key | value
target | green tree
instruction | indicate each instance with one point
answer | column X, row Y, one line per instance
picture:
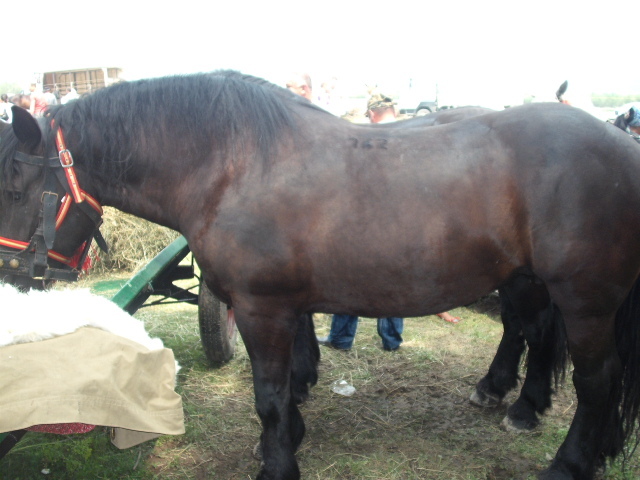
column 613, row 100
column 10, row 87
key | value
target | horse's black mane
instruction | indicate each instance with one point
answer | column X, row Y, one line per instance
column 8, row 145
column 219, row 110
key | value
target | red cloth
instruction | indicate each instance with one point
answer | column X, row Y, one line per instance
column 88, row 261
column 62, row 428
column 40, row 103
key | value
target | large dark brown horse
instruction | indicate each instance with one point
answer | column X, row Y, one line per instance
column 288, row 211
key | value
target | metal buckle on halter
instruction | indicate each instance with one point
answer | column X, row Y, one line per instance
column 62, row 154
column 47, row 193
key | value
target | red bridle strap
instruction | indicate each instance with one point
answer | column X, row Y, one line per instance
column 17, row 244
column 62, row 213
column 66, row 160
column 65, row 205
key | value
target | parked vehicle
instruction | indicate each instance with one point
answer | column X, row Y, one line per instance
column 83, row 80
column 424, row 108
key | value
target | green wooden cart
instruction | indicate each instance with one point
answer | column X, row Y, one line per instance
column 218, row 331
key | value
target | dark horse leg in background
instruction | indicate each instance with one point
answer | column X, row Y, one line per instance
column 527, row 315
column 306, row 356
column 503, row 372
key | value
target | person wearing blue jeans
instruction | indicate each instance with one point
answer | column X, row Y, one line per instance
column 343, row 331
column 380, row 109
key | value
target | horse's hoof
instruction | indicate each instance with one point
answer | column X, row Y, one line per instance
column 257, row 451
column 300, row 396
column 484, row 400
column 550, row 474
column 517, row 426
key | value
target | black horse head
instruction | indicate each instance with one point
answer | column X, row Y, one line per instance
column 37, row 208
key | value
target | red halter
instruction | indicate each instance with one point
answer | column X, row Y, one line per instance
column 76, row 195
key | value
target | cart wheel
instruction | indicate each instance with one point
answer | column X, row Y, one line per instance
column 218, row 332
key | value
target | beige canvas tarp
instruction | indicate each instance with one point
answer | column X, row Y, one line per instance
column 90, row 376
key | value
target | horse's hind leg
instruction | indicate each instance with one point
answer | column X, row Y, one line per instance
column 269, row 339
column 306, row 355
column 596, row 430
column 503, row 372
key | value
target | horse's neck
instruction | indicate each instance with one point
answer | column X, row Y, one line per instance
column 152, row 199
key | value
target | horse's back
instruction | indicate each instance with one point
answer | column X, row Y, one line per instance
column 477, row 199
column 540, row 187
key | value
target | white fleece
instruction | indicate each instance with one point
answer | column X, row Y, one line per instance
column 37, row 315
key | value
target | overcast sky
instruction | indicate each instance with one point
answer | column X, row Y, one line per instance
column 483, row 52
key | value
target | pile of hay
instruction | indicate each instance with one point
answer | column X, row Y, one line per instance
column 132, row 242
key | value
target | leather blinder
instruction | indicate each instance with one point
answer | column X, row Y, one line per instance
column 49, row 210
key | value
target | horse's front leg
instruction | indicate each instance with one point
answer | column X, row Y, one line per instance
column 269, row 339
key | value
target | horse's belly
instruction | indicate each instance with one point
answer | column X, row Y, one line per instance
column 398, row 289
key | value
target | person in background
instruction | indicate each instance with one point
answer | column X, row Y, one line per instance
column 380, row 109
column 629, row 121
column 37, row 101
column 49, row 96
column 330, row 97
column 71, row 95
column 300, row 84
column 633, row 123
column 6, row 114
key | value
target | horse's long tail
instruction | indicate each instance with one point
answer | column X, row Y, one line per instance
column 628, row 346
column 552, row 327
